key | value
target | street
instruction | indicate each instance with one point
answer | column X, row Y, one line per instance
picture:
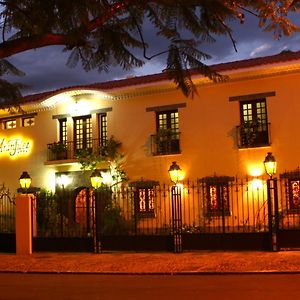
column 221, row 287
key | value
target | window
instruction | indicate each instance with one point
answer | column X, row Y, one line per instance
column 253, row 131
column 290, row 199
column 144, row 201
column 63, row 130
column 28, row 121
column 166, row 139
column 10, row 124
column 83, row 132
column 294, row 196
column 217, row 195
column 102, row 122
column 144, row 198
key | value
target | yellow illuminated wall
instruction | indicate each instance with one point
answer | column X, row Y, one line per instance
column 207, row 125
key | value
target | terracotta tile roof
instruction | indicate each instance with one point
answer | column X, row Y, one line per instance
column 282, row 57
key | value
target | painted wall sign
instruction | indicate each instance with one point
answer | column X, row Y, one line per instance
column 15, row 146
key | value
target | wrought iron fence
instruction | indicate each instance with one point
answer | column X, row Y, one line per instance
column 289, row 200
column 7, row 211
column 209, row 205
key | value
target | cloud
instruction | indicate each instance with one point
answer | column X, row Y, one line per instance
column 46, row 68
column 259, row 50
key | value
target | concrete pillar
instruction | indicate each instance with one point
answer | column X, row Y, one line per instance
column 24, row 224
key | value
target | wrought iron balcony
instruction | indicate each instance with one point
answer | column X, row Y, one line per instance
column 67, row 151
column 165, row 144
column 253, row 135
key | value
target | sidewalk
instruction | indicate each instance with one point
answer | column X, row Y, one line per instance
column 198, row 262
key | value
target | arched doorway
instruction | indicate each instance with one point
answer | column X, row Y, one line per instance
column 84, row 209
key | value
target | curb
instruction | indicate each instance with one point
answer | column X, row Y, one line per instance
column 184, row 273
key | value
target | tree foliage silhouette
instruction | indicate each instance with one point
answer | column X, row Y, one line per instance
column 101, row 33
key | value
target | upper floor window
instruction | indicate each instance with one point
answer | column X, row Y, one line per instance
column 28, row 121
column 102, row 123
column 83, row 133
column 166, row 140
column 10, row 124
column 63, row 137
column 253, row 131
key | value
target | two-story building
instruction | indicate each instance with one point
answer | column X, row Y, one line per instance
column 225, row 131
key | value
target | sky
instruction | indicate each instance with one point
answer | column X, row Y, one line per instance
column 46, row 68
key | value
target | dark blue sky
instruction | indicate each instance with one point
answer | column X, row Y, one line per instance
column 46, row 68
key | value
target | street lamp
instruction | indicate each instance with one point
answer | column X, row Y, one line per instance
column 25, row 181
column 96, row 182
column 273, row 218
column 63, row 180
column 176, row 174
column 96, row 179
column 270, row 164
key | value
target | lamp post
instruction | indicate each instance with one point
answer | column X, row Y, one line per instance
column 96, row 182
column 176, row 175
column 270, row 165
column 63, row 180
column 26, row 208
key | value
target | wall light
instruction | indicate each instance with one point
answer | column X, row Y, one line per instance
column 63, row 180
column 175, row 173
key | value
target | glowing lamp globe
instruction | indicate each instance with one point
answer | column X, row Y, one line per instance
column 96, row 179
column 25, row 180
column 175, row 172
column 270, row 164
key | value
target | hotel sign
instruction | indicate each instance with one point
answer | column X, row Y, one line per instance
column 14, row 147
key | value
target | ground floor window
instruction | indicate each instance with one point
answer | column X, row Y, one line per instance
column 217, row 195
column 144, row 198
column 294, row 195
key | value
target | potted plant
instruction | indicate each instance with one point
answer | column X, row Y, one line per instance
column 59, row 150
column 248, row 133
column 167, row 141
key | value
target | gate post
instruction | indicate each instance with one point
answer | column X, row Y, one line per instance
column 176, row 218
column 24, row 224
column 273, row 213
column 97, row 234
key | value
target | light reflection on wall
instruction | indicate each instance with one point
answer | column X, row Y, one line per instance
column 255, row 170
column 79, row 108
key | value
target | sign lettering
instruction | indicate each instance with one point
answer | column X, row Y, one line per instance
column 14, row 147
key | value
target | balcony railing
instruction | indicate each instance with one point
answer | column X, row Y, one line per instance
column 164, row 145
column 68, row 150
column 253, row 136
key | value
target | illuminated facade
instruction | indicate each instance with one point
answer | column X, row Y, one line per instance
column 225, row 130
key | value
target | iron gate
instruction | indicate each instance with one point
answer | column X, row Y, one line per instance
column 288, row 212
column 65, row 221
column 7, row 221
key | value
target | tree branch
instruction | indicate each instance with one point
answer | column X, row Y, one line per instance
column 12, row 47
column 22, row 44
column 228, row 32
column 108, row 15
